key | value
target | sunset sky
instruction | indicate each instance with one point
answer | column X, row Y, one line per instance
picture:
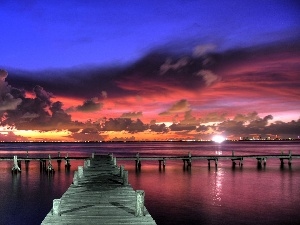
column 149, row 70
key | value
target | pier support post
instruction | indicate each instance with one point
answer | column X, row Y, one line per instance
column 281, row 162
column 111, row 155
column 259, row 161
column 140, row 202
column 67, row 164
column 241, row 162
column 80, row 171
column 50, row 167
column 16, row 167
column 233, row 163
column 75, row 178
column 115, row 161
column 162, row 161
column 121, row 171
column 58, row 160
column 290, row 158
column 125, row 177
column 290, row 161
column 27, row 161
column 43, row 165
column 216, row 162
column 20, row 164
column 87, row 163
column 56, row 208
column 58, row 163
column 189, row 160
column 93, row 155
column 138, row 163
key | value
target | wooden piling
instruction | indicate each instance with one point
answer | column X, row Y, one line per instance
column 75, row 178
column 138, row 164
column 80, row 172
column 20, row 164
column 16, row 165
column 56, row 208
column 241, row 162
column 121, row 171
column 125, row 177
column 139, row 206
column 27, row 161
column 87, row 163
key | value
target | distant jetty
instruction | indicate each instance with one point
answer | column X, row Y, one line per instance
column 46, row 162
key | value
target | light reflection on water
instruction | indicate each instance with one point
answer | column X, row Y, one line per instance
column 216, row 185
column 174, row 195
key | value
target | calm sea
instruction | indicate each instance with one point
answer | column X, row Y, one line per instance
column 174, row 195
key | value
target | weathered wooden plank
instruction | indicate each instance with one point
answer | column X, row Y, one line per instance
column 99, row 198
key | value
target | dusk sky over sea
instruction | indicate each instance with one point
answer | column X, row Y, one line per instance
column 149, row 70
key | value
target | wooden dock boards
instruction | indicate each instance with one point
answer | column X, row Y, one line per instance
column 99, row 198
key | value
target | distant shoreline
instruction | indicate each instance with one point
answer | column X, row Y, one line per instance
column 85, row 142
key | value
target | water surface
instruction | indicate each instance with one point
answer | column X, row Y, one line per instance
column 174, row 195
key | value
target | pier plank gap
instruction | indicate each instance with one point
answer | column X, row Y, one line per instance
column 100, row 194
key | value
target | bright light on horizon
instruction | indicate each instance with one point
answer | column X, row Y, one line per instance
column 218, row 138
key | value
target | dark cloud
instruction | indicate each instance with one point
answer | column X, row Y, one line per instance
column 182, row 127
column 3, row 74
column 202, row 128
column 159, row 128
column 189, row 119
column 244, row 118
column 154, row 72
column 124, row 124
column 38, row 113
column 8, row 101
column 43, row 95
column 165, row 72
column 288, row 129
column 69, row 82
column 137, row 126
column 132, row 115
column 213, row 117
column 252, row 125
column 88, row 106
column 178, row 107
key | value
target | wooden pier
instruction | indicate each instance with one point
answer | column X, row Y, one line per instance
column 162, row 160
column 100, row 194
column 187, row 160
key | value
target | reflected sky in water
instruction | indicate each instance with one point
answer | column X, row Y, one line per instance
column 175, row 194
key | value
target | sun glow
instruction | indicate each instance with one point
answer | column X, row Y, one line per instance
column 218, row 138
column 34, row 135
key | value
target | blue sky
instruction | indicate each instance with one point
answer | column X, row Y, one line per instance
column 62, row 34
